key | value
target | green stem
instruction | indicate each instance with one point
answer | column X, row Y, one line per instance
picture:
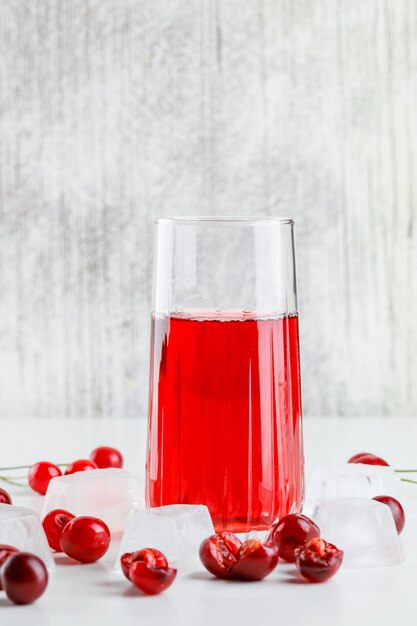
column 19, row 467
column 15, row 477
column 11, row 482
column 408, row 480
column 406, row 471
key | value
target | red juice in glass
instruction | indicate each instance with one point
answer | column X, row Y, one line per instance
column 225, row 417
column 224, row 424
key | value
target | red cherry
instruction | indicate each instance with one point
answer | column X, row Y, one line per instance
column 151, row 556
column 6, row 552
column 24, row 577
column 151, row 580
column 85, row 539
column 80, row 465
column 5, row 497
column 317, row 560
column 219, row 554
column 255, row 560
column 105, row 457
column 53, row 524
column 396, row 510
column 40, row 474
column 367, row 459
column 290, row 532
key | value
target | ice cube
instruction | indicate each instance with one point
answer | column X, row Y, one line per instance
column 176, row 530
column 363, row 528
column 351, row 480
column 21, row 528
column 110, row 494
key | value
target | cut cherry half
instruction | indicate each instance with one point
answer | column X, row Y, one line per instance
column 318, row 560
column 219, row 554
column 151, row 580
column 150, row 556
column 255, row 560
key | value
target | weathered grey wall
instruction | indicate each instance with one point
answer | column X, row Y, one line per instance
column 116, row 111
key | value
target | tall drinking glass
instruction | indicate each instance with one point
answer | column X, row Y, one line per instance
column 225, row 404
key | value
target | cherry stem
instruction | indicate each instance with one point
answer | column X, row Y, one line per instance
column 12, row 482
column 13, row 477
column 408, row 480
column 18, row 467
column 406, row 471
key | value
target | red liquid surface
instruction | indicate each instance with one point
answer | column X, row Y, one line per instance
column 225, row 418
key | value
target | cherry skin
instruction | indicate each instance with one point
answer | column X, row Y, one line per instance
column 24, row 577
column 53, row 525
column 5, row 553
column 367, row 459
column 80, row 465
column 396, row 510
column 85, row 539
column 104, row 457
column 40, row 474
column 151, row 580
column 5, row 497
column 151, row 556
column 317, row 560
column 255, row 560
column 219, row 554
column 290, row 532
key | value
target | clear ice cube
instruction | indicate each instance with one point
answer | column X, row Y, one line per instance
column 363, row 528
column 110, row 494
column 176, row 530
column 21, row 528
column 351, row 480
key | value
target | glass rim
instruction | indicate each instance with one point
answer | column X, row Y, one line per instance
column 224, row 219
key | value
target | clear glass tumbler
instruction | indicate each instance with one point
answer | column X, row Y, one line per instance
column 225, row 403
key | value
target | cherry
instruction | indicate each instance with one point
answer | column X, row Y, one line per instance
column 24, row 577
column 255, row 560
column 6, row 552
column 40, row 474
column 53, row 524
column 290, row 532
column 151, row 580
column 219, row 554
column 367, row 459
column 5, row 497
column 80, row 465
column 151, row 556
column 317, row 560
column 85, row 539
column 105, row 457
column 396, row 510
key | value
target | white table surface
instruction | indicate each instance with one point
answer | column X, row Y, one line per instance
column 94, row 594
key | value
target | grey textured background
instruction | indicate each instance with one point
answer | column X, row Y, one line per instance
column 116, row 111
